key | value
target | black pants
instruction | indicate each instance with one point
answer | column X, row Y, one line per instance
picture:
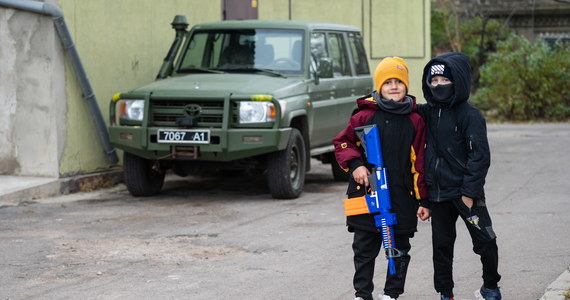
column 366, row 246
column 443, row 218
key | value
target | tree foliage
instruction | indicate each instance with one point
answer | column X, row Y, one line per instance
column 525, row 81
column 470, row 32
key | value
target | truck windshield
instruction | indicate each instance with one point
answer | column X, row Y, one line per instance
column 269, row 51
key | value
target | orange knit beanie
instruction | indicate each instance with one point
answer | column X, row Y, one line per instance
column 391, row 67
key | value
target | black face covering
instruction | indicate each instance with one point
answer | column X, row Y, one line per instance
column 442, row 93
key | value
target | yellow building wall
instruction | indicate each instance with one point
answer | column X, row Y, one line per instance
column 122, row 44
column 389, row 28
column 401, row 28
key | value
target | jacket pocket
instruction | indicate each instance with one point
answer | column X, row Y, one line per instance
column 354, row 189
column 456, row 159
column 450, row 174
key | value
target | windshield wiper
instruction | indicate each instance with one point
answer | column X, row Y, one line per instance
column 253, row 69
column 199, row 70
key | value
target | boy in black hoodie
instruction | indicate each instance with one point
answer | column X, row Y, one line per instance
column 457, row 158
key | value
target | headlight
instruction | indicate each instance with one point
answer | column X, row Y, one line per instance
column 256, row 112
column 131, row 110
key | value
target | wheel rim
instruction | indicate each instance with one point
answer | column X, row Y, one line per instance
column 294, row 165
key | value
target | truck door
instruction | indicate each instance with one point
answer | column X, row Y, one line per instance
column 333, row 99
column 322, row 95
column 345, row 91
column 362, row 81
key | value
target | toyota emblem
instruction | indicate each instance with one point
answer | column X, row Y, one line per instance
column 192, row 110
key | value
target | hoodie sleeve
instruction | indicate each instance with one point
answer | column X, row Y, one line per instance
column 421, row 109
column 417, row 157
column 346, row 143
column 478, row 156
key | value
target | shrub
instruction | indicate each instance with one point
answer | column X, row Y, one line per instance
column 526, row 81
column 465, row 29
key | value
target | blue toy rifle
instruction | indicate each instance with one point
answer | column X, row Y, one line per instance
column 378, row 201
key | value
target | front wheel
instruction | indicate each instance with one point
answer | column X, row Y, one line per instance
column 286, row 168
column 140, row 176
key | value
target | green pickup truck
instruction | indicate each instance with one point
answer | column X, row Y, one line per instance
column 261, row 96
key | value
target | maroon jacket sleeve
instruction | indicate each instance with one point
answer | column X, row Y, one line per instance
column 346, row 142
column 417, row 157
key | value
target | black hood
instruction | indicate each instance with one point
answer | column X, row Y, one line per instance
column 458, row 64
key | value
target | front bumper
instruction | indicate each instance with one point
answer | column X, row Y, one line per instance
column 225, row 145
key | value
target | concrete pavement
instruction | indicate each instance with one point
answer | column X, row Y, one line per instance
column 15, row 190
column 557, row 289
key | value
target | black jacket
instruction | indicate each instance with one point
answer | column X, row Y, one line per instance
column 457, row 154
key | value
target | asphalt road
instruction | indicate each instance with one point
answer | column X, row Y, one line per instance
column 225, row 238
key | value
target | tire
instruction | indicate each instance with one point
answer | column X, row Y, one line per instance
column 286, row 169
column 140, row 177
column 338, row 173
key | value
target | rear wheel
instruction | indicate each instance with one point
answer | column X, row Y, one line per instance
column 141, row 178
column 286, row 169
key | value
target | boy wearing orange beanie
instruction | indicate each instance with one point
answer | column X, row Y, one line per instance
column 402, row 135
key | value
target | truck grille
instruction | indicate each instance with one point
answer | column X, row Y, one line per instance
column 165, row 112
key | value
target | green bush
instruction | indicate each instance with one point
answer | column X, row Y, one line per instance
column 526, row 81
column 454, row 29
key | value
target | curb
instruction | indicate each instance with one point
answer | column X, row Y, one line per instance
column 557, row 289
column 62, row 186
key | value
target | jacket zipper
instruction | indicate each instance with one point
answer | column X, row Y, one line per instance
column 437, row 181
column 437, row 159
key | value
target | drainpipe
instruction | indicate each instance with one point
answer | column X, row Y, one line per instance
column 55, row 12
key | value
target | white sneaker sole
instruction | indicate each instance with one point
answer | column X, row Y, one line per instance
column 478, row 295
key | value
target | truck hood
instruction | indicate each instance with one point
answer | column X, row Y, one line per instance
column 222, row 84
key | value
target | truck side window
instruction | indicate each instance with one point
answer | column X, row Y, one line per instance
column 358, row 54
column 340, row 63
column 318, row 45
column 194, row 57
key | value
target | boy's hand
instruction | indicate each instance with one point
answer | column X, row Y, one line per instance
column 360, row 175
column 467, row 201
column 423, row 213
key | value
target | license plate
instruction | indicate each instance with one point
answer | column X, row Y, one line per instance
column 183, row 136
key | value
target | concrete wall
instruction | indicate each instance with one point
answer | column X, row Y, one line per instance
column 32, row 95
column 46, row 128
